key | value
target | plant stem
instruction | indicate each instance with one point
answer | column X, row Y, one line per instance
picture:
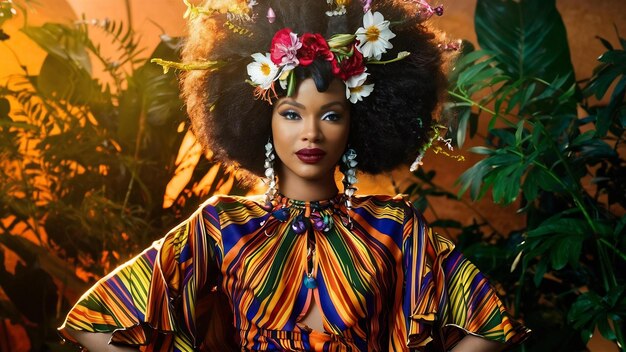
column 481, row 107
column 604, row 266
column 613, row 248
column 608, row 277
column 129, row 15
column 471, row 102
column 135, row 171
column 575, row 194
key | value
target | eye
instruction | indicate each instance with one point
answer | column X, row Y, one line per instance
column 290, row 115
column 331, row 116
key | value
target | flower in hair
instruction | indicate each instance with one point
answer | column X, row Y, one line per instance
column 426, row 11
column 348, row 55
column 374, row 35
column 314, row 46
column 340, row 8
column 356, row 89
column 284, row 49
column 263, row 72
column 352, row 65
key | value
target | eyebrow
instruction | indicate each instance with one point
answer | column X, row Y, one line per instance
column 292, row 103
column 325, row 106
column 298, row 105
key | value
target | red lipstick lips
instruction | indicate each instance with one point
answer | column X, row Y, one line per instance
column 310, row 156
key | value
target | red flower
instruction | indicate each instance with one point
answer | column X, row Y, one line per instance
column 349, row 66
column 313, row 46
column 280, row 44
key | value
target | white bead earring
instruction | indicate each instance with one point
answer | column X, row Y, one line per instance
column 270, row 176
column 348, row 168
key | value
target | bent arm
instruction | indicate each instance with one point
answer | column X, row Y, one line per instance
column 472, row 343
column 98, row 342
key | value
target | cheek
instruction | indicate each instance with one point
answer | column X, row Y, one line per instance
column 340, row 140
column 281, row 135
column 344, row 133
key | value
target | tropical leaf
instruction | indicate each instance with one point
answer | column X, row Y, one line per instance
column 591, row 311
column 612, row 69
column 126, row 40
column 570, row 231
column 527, row 37
column 62, row 42
column 79, row 88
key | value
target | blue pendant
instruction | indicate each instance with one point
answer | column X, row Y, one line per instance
column 309, row 282
column 281, row 214
column 300, row 225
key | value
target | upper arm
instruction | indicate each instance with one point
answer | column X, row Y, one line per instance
column 445, row 291
column 471, row 343
column 95, row 341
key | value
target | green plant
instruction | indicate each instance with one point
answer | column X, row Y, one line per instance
column 86, row 158
column 566, row 172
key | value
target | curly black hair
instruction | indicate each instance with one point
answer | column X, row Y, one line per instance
column 388, row 127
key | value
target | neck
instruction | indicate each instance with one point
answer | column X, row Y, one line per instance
column 307, row 190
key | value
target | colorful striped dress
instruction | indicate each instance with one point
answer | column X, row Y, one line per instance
column 381, row 278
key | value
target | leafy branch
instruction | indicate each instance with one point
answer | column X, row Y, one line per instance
column 538, row 152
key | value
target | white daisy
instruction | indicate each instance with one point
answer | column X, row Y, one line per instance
column 374, row 35
column 356, row 90
column 262, row 71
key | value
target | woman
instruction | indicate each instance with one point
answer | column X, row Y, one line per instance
column 290, row 90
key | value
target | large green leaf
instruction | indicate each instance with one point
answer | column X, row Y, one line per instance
column 63, row 81
column 160, row 91
column 527, row 36
column 62, row 42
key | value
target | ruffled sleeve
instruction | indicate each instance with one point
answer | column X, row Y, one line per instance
column 151, row 299
column 445, row 296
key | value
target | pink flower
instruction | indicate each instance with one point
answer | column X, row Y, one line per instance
column 284, row 49
column 313, row 46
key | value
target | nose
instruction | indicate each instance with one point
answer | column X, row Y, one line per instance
column 311, row 130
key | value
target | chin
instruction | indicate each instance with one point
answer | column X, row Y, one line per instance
column 314, row 173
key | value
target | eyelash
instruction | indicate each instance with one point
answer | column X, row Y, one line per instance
column 292, row 115
column 335, row 117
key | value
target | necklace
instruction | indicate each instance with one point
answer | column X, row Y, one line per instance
column 307, row 217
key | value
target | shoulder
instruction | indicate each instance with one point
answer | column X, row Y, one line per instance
column 234, row 207
column 382, row 210
column 416, row 228
column 226, row 202
column 380, row 199
column 397, row 205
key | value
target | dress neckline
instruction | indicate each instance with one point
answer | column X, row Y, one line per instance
column 282, row 201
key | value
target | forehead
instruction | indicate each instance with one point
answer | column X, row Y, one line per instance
column 308, row 96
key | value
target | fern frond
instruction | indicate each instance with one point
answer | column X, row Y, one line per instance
column 191, row 66
column 238, row 29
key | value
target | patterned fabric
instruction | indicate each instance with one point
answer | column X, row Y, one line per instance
column 388, row 283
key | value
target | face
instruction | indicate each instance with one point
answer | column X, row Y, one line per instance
column 310, row 131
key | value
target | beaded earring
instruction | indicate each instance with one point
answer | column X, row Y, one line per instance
column 348, row 169
column 270, row 176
